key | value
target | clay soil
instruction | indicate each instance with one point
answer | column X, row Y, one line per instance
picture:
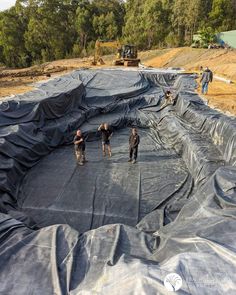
column 222, row 96
column 18, row 81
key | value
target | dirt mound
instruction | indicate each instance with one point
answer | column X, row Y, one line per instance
column 163, row 59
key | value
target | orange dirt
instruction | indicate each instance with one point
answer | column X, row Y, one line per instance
column 221, row 96
column 221, row 61
column 164, row 59
column 18, row 81
column 11, row 86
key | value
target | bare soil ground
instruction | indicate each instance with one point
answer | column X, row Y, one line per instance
column 222, row 62
column 221, row 96
column 18, row 81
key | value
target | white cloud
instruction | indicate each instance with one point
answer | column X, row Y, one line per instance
column 5, row 4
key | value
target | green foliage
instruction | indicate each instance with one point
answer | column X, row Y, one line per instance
column 77, row 50
column 207, row 36
column 83, row 23
column 222, row 15
column 172, row 40
column 51, row 33
column 13, row 51
column 134, row 31
column 153, row 20
column 105, row 26
column 35, row 31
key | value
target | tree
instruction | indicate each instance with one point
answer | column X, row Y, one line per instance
column 98, row 19
column 222, row 15
column 107, row 6
column 83, row 23
column 207, row 36
column 133, row 31
column 146, row 22
column 154, row 22
column 105, row 26
column 179, row 19
column 51, row 32
column 12, row 29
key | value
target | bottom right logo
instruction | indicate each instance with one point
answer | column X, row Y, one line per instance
column 173, row 282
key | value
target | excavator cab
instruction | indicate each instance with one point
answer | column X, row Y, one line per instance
column 129, row 51
column 127, row 55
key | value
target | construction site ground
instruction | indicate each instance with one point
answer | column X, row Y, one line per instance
column 222, row 62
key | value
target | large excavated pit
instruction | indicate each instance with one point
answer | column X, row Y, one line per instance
column 111, row 227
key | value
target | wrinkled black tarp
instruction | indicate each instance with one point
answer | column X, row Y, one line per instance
column 111, row 227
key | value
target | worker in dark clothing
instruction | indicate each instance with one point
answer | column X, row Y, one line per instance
column 169, row 97
column 134, row 141
column 106, row 137
column 207, row 77
column 79, row 143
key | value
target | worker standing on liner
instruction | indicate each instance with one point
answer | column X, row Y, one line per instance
column 134, row 141
column 106, row 137
column 79, row 143
column 207, row 77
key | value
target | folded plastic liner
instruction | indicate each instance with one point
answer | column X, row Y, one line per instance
column 112, row 227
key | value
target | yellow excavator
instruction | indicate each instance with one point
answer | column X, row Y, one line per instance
column 127, row 55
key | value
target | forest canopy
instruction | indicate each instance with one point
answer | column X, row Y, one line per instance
column 35, row 31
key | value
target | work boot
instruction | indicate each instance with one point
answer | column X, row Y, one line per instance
column 130, row 160
column 134, row 161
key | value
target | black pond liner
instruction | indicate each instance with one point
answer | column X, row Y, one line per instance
column 111, row 227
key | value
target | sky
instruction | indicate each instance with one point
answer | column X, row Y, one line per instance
column 5, row 4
